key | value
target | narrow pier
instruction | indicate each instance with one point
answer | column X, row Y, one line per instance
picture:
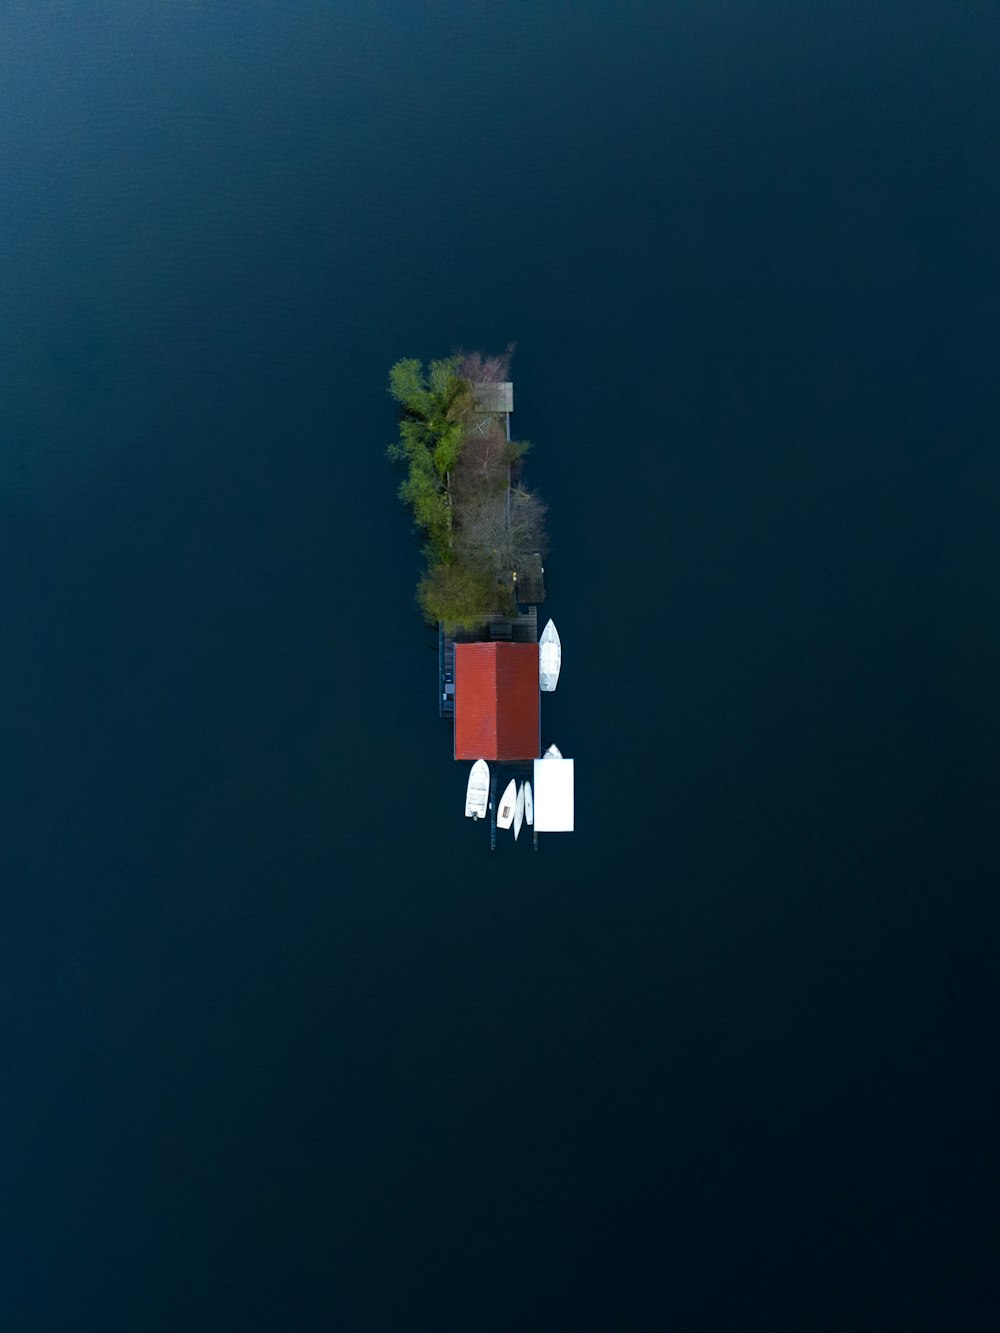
column 493, row 808
column 522, row 628
column 446, row 674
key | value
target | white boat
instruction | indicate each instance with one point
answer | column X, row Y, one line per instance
column 477, row 794
column 553, row 752
column 549, row 658
column 518, row 812
column 529, row 805
column 505, row 810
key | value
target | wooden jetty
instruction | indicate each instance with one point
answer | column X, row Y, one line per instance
column 446, row 674
column 530, row 580
column 495, row 397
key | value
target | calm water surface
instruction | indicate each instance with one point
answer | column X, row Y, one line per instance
column 283, row 1046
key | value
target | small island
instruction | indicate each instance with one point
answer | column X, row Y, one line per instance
column 484, row 530
column 484, row 539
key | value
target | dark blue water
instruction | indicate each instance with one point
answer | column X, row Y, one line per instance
column 283, row 1047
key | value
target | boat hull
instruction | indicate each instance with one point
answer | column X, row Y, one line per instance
column 505, row 807
column 477, row 793
column 549, row 658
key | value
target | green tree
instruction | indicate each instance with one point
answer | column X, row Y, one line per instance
column 409, row 388
column 431, row 510
column 431, row 431
column 459, row 595
column 435, row 406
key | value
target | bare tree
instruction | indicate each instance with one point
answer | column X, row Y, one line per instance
column 478, row 369
column 499, row 537
column 527, row 521
column 482, row 464
column 484, row 535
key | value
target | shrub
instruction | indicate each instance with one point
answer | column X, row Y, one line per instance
column 458, row 595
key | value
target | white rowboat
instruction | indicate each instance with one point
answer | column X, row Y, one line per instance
column 518, row 812
column 553, row 752
column 477, row 794
column 529, row 805
column 549, row 658
column 505, row 812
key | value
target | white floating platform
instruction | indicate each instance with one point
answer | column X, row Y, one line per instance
column 549, row 658
column 554, row 797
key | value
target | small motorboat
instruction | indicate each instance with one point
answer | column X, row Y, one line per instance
column 505, row 810
column 518, row 812
column 529, row 805
column 477, row 794
column 549, row 658
column 553, row 752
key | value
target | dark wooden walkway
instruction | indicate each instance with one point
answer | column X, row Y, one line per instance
column 530, row 581
column 522, row 628
column 446, row 674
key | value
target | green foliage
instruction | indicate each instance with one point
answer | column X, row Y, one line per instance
column 458, row 595
column 434, row 413
column 440, row 398
column 448, row 446
column 430, row 506
column 412, row 444
column 408, row 387
column 453, row 397
column 443, row 376
column 457, row 485
column 431, row 434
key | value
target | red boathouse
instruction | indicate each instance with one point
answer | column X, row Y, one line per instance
column 496, row 701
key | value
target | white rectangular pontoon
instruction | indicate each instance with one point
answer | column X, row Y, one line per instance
column 553, row 795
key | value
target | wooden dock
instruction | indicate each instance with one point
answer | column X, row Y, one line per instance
column 530, row 581
column 522, row 628
column 521, row 772
column 446, row 674
column 495, row 397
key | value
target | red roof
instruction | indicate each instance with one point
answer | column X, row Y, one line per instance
column 496, row 701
